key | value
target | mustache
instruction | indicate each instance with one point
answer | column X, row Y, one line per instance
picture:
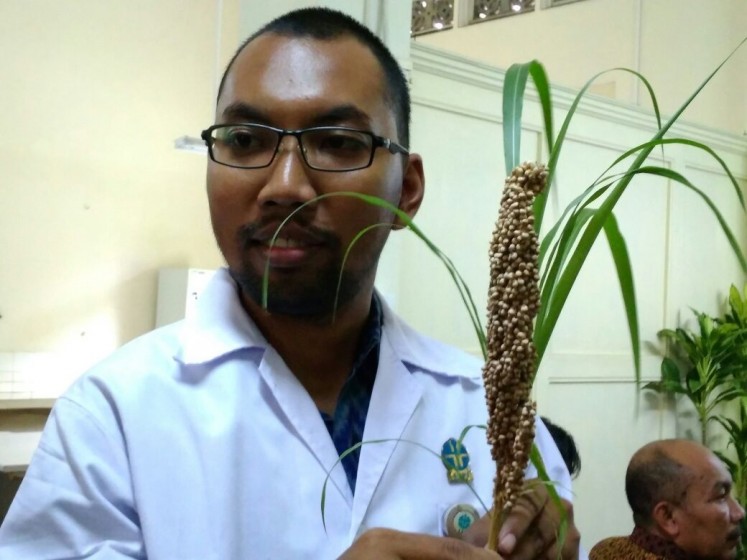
column 300, row 227
column 736, row 534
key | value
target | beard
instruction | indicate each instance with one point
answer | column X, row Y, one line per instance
column 313, row 295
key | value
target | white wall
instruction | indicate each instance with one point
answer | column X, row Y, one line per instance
column 674, row 43
column 389, row 19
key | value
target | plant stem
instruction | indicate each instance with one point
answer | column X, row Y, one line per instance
column 496, row 522
column 702, row 416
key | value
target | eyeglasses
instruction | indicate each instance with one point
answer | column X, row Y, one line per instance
column 325, row 148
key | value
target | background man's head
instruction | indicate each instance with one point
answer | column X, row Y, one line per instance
column 566, row 445
column 326, row 24
column 681, row 491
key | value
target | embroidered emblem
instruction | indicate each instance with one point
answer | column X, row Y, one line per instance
column 456, row 460
column 458, row 519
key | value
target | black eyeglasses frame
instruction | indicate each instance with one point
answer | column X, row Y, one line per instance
column 376, row 142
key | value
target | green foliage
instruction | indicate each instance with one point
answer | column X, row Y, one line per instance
column 736, row 429
column 702, row 366
column 567, row 244
column 708, row 367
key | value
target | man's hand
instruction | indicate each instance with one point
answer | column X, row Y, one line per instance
column 531, row 530
column 387, row 544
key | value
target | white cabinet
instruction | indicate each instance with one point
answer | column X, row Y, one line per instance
column 178, row 292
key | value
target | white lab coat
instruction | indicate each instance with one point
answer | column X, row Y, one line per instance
column 195, row 442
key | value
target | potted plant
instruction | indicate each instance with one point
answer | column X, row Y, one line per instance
column 708, row 367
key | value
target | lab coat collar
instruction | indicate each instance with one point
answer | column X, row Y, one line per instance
column 418, row 351
column 222, row 326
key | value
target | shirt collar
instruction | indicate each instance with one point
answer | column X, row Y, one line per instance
column 657, row 545
column 371, row 336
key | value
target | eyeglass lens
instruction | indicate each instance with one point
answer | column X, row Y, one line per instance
column 331, row 149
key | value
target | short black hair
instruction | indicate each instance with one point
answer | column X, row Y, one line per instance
column 326, row 24
column 566, row 445
column 653, row 479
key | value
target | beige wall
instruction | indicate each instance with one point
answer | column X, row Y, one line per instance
column 673, row 43
column 94, row 196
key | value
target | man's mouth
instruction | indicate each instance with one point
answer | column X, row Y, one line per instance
column 284, row 243
column 289, row 246
column 735, row 536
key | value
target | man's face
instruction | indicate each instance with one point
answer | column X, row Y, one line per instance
column 709, row 517
column 296, row 83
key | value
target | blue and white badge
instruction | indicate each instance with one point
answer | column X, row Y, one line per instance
column 456, row 460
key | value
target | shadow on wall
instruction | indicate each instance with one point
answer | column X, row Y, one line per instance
column 9, row 484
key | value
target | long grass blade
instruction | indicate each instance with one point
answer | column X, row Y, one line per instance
column 562, row 248
column 573, row 207
column 675, row 176
column 360, row 444
column 539, row 464
column 542, row 85
column 621, row 258
column 349, row 248
column 687, row 142
column 571, row 271
column 555, row 152
column 514, row 85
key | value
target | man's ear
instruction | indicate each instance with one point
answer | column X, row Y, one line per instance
column 413, row 187
column 665, row 519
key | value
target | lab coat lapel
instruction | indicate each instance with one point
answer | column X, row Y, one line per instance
column 304, row 416
column 395, row 397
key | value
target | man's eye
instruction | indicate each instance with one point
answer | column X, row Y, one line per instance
column 343, row 142
column 242, row 139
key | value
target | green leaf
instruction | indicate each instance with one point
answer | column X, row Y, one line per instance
column 671, row 174
column 737, row 304
column 595, row 225
column 561, row 250
column 670, row 372
column 555, row 152
column 350, row 246
column 514, row 85
column 568, row 225
column 625, row 277
column 536, row 459
column 654, row 386
column 687, row 142
column 466, row 430
column 694, row 385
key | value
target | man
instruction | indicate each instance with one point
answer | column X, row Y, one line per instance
column 218, row 437
column 680, row 494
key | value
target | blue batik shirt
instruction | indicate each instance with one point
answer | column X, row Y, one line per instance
column 346, row 426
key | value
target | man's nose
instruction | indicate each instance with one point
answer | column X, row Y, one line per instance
column 288, row 182
column 737, row 511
